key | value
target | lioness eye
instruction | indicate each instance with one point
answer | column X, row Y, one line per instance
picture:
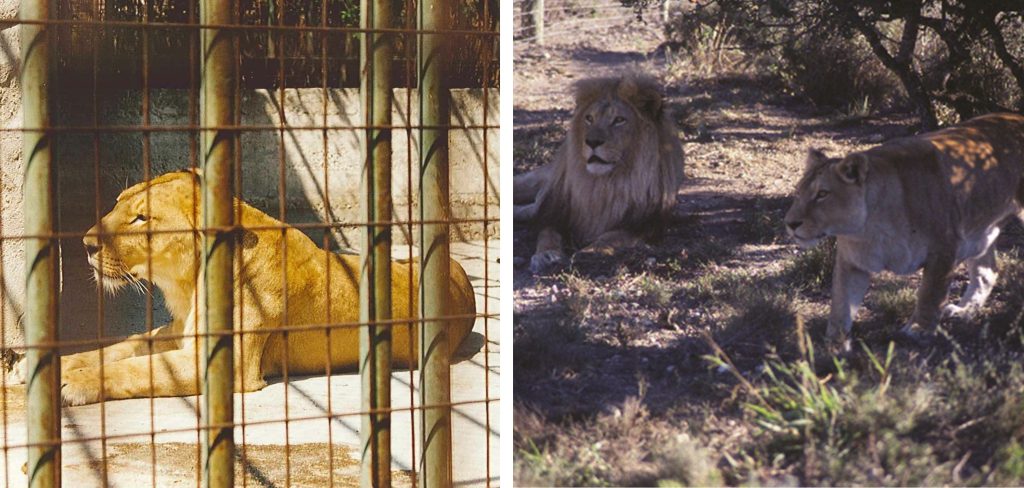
column 619, row 120
column 589, row 118
column 821, row 194
column 139, row 218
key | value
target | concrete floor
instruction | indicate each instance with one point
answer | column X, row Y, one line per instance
column 279, row 453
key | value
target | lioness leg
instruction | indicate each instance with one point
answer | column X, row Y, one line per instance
column 549, row 251
column 849, row 284
column 938, row 271
column 174, row 373
column 983, row 277
column 134, row 345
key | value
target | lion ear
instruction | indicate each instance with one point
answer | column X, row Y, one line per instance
column 853, row 169
column 644, row 96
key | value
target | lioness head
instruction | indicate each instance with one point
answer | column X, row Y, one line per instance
column 138, row 241
column 611, row 115
column 829, row 199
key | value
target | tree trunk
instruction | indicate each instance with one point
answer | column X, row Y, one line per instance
column 988, row 21
column 901, row 65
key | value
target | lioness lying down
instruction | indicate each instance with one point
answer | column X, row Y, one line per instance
column 618, row 170
column 174, row 264
column 931, row 201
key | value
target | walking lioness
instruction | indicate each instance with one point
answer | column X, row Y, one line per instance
column 930, row 201
column 281, row 279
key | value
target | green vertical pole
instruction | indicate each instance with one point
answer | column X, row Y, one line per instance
column 435, row 375
column 43, row 363
column 217, row 92
column 375, row 278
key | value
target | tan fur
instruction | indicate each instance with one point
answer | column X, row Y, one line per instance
column 930, row 201
column 602, row 204
column 173, row 265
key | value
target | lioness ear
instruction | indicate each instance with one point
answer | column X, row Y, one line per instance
column 815, row 159
column 853, row 168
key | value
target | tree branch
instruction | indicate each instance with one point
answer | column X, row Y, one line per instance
column 901, row 65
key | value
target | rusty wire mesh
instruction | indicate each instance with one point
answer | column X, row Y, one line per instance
column 126, row 109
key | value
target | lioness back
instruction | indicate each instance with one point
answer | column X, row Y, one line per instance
column 316, row 276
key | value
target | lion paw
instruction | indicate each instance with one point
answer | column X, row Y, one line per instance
column 546, row 261
column 80, row 386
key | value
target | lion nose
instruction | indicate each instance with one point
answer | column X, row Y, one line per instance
column 593, row 143
column 793, row 224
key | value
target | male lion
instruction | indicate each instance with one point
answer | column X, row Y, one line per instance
column 929, row 201
column 619, row 168
column 117, row 251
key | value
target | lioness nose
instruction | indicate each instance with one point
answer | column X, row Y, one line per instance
column 92, row 244
column 593, row 143
column 793, row 224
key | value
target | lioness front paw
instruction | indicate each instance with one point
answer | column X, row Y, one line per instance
column 837, row 341
column 16, row 376
column 546, row 261
column 916, row 334
column 957, row 312
column 80, row 386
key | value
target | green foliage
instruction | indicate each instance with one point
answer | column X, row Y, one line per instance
column 953, row 58
column 892, row 422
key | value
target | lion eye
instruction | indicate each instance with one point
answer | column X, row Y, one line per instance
column 588, row 119
column 821, row 195
column 619, row 120
column 139, row 218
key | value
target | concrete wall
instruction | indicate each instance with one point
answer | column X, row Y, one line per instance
column 306, row 160
column 12, row 252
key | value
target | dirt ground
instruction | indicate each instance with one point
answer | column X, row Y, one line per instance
column 622, row 339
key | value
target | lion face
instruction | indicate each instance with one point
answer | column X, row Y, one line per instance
column 829, row 199
column 609, row 127
column 136, row 242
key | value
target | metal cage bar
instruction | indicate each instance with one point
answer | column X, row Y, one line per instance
column 435, row 372
column 219, row 82
column 40, row 320
column 375, row 278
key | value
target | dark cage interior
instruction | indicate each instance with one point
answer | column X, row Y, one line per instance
column 302, row 46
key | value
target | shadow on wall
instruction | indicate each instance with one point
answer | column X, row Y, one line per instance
column 322, row 169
